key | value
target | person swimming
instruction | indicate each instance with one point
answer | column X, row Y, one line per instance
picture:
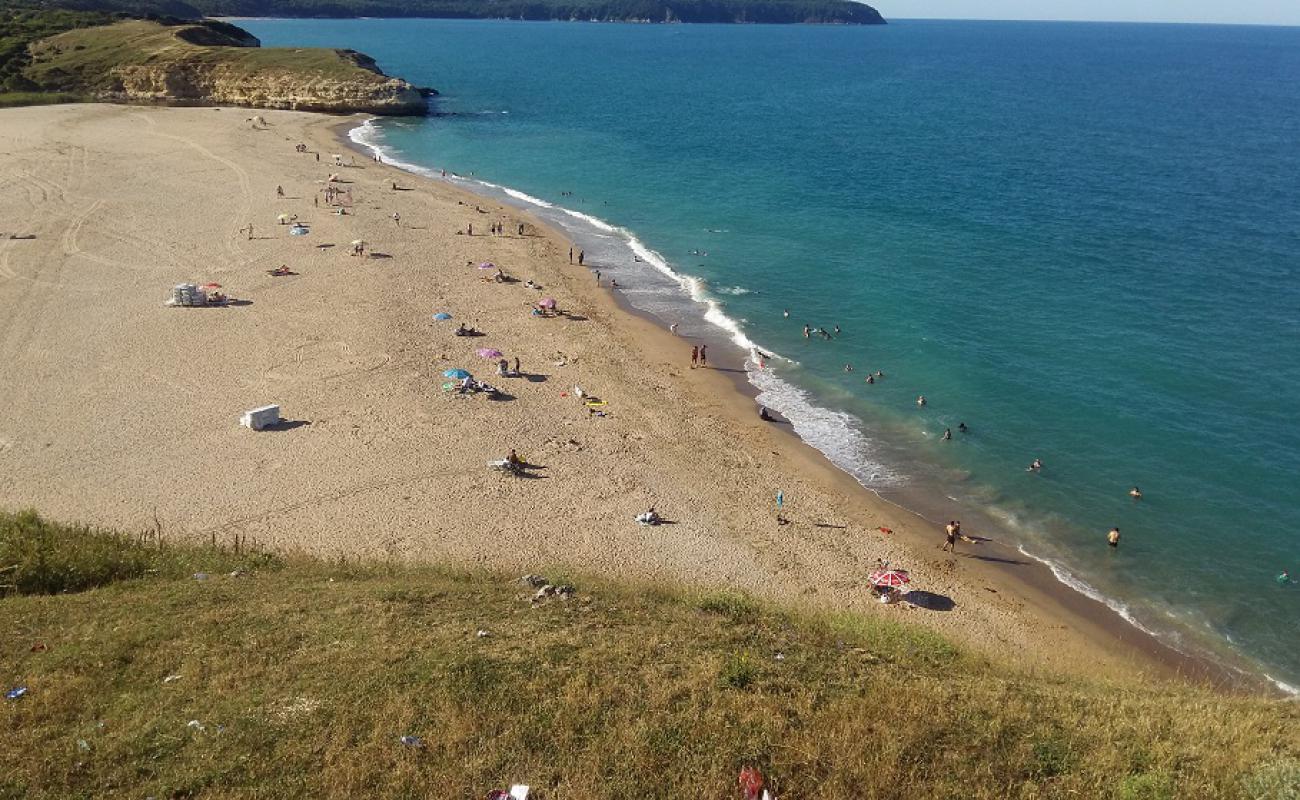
column 848, row 367
column 961, row 426
column 1135, row 493
column 871, row 379
column 947, row 434
column 1112, row 538
column 920, row 400
column 1036, row 465
column 807, row 332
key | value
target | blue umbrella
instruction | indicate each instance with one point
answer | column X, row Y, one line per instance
column 297, row 230
column 442, row 315
column 458, row 374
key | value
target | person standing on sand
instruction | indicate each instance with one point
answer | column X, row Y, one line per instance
column 582, row 256
column 250, row 231
column 673, row 329
column 397, row 219
column 1112, row 538
column 471, row 229
column 950, row 534
column 517, row 371
column 597, row 272
column 704, row 356
column 780, row 507
column 695, row 356
column 570, row 254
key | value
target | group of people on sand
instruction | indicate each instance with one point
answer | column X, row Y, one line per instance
column 699, row 356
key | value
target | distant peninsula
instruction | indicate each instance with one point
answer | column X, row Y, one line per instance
column 843, row 12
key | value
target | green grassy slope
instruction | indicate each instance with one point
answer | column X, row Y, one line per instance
column 296, row 678
column 83, row 59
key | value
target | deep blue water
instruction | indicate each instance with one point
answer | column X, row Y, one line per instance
column 1082, row 240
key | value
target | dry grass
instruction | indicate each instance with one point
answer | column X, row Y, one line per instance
column 303, row 678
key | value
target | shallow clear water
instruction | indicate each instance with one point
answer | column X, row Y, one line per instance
column 1082, row 240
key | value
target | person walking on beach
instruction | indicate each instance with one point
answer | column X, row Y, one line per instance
column 695, row 356
column 950, row 534
column 570, row 254
column 597, row 273
column 704, row 356
column 1112, row 538
column 279, row 191
column 582, row 256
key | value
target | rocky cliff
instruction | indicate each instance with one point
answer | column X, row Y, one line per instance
column 219, row 84
column 214, row 64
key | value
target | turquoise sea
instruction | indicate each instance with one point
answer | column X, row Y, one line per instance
column 1082, row 240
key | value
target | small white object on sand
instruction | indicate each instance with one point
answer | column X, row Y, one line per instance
column 259, row 418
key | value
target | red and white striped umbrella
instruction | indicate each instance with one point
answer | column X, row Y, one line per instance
column 891, row 578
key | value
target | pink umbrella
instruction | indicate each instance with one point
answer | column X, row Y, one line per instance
column 889, row 578
column 547, row 302
column 487, row 265
column 489, row 352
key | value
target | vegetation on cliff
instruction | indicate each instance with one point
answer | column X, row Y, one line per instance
column 162, row 670
column 208, row 62
column 741, row 11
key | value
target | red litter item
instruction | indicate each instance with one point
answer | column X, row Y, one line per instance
column 751, row 783
column 885, row 530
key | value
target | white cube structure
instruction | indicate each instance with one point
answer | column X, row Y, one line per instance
column 260, row 418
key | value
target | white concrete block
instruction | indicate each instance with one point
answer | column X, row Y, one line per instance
column 260, row 418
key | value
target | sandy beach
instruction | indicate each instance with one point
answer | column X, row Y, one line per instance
column 123, row 412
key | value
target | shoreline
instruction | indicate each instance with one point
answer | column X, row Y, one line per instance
column 1034, row 581
column 125, row 412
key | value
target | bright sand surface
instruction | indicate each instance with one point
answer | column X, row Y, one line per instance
column 124, row 412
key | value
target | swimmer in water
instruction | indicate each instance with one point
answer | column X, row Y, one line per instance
column 1284, row 579
column 947, row 434
column 848, row 367
column 1112, row 538
column 837, row 330
column 807, row 332
column 1135, row 493
column 880, row 374
column 786, row 313
column 961, row 426
column 871, row 379
column 920, row 401
column 1036, row 465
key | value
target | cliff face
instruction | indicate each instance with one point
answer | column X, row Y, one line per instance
column 205, row 84
column 213, row 63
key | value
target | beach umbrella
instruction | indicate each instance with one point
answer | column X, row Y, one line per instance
column 487, row 265
column 547, row 302
column 442, row 316
column 283, row 217
column 489, row 352
column 210, row 286
column 889, row 578
column 358, row 242
column 458, row 374
column 297, row 230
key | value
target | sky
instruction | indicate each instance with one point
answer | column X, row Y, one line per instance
column 1258, row 12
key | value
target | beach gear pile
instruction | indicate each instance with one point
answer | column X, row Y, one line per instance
column 188, row 294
